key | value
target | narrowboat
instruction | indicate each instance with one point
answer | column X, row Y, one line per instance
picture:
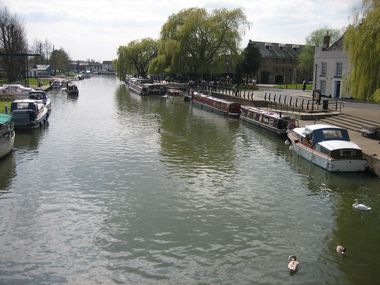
column 146, row 87
column 228, row 108
column 274, row 122
column 329, row 147
column 28, row 113
column 7, row 134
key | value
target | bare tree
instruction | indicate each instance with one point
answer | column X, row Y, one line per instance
column 48, row 49
column 12, row 42
column 38, row 48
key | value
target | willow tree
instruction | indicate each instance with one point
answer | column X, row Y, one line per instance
column 136, row 57
column 362, row 41
column 193, row 40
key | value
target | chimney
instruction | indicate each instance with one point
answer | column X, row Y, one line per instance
column 326, row 42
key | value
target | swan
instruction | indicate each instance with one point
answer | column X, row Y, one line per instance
column 293, row 263
column 341, row 250
column 361, row 207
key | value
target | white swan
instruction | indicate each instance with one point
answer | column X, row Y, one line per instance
column 361, row 207
column 341, row 250
column 293, row 263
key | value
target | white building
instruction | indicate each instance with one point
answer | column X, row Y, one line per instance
column 331, row 65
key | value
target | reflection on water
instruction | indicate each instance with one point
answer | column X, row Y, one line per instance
column 128, row 189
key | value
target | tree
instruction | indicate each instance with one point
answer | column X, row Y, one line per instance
column 251, row 60
column 38, row 48
column 48, row 49
column 12, row 41
column 306, row 56
column 192, row 41
column 59, row 60
column 362, row 41
column 136, row 57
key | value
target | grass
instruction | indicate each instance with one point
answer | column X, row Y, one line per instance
column 3, row 104
column 294, row 86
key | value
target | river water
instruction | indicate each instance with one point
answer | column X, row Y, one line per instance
column 123, row 189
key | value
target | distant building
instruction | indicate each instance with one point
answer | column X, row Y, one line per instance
column 107, row 66
column 330, row 66
column 80, row 66
column 279, row 63
column 40, row 70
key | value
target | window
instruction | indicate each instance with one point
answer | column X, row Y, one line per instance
column 339, row 68
column 324, row 69
column 323, row 87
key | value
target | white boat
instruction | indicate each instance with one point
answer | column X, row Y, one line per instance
column 29, row 113
column 17, row 91
column 329, row 147
column 42, row 96
column 7, row 134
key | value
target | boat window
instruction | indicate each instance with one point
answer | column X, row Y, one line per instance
column 347, row 153
column 332, row 134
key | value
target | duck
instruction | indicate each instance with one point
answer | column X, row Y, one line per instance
column 293, row 264
column 361, row 207
column 341, row 249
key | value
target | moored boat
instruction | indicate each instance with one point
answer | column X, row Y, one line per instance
column 214, row 104
column 15, row 91
column 329, row 147
column 42, row 96
column 275, row 122
column 72, row 89
column 146, row 87
column 29, row 113
column 7, row 134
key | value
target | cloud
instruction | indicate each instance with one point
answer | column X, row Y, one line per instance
column 95, row 29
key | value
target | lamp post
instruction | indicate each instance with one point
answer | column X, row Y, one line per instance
column 314, row 87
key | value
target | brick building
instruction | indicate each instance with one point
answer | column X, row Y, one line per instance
column 279, row 63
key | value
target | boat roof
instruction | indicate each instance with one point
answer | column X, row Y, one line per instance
column 338, row 144
column 214, row 98
column 321, row 126
column 4, row 118
column 273, row 114
column 25, row 101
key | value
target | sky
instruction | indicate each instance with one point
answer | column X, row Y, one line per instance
column 94, row 29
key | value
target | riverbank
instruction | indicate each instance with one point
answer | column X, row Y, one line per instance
column 366, row 112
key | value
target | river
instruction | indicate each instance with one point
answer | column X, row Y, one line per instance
column 123, row 189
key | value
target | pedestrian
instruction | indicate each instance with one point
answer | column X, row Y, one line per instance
column 304, row 85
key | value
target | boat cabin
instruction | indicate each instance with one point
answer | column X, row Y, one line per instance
column 330, row 140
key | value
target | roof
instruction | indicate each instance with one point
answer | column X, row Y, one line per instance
column 42, row 67
column 338, row 144
column 338, row 44
column 321, row 126
column 5, row 119
column 278, row 50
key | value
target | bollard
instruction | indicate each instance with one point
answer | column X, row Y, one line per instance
column 285, row 100
column 296, row 101
column 307, row 106
column 265, row 96
column 279, row 99
column 290, row 101
column 274, row 97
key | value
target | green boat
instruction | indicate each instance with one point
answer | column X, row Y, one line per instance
column 7, row 134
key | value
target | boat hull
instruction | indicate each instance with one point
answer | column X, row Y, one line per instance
column 213, row 109
column 6, row 144
column 325, row 161
column 22, row 119
column 275, row 131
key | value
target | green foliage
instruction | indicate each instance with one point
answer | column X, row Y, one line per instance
column 250, row 60
column 306, row 56
column 59, row 60
column 194, row 41
column 362, row 42
column 136, row 57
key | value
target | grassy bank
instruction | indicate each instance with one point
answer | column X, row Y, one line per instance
column 294, row 86
column 3, row 104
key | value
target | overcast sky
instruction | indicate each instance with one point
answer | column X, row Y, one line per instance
column 94, row 29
